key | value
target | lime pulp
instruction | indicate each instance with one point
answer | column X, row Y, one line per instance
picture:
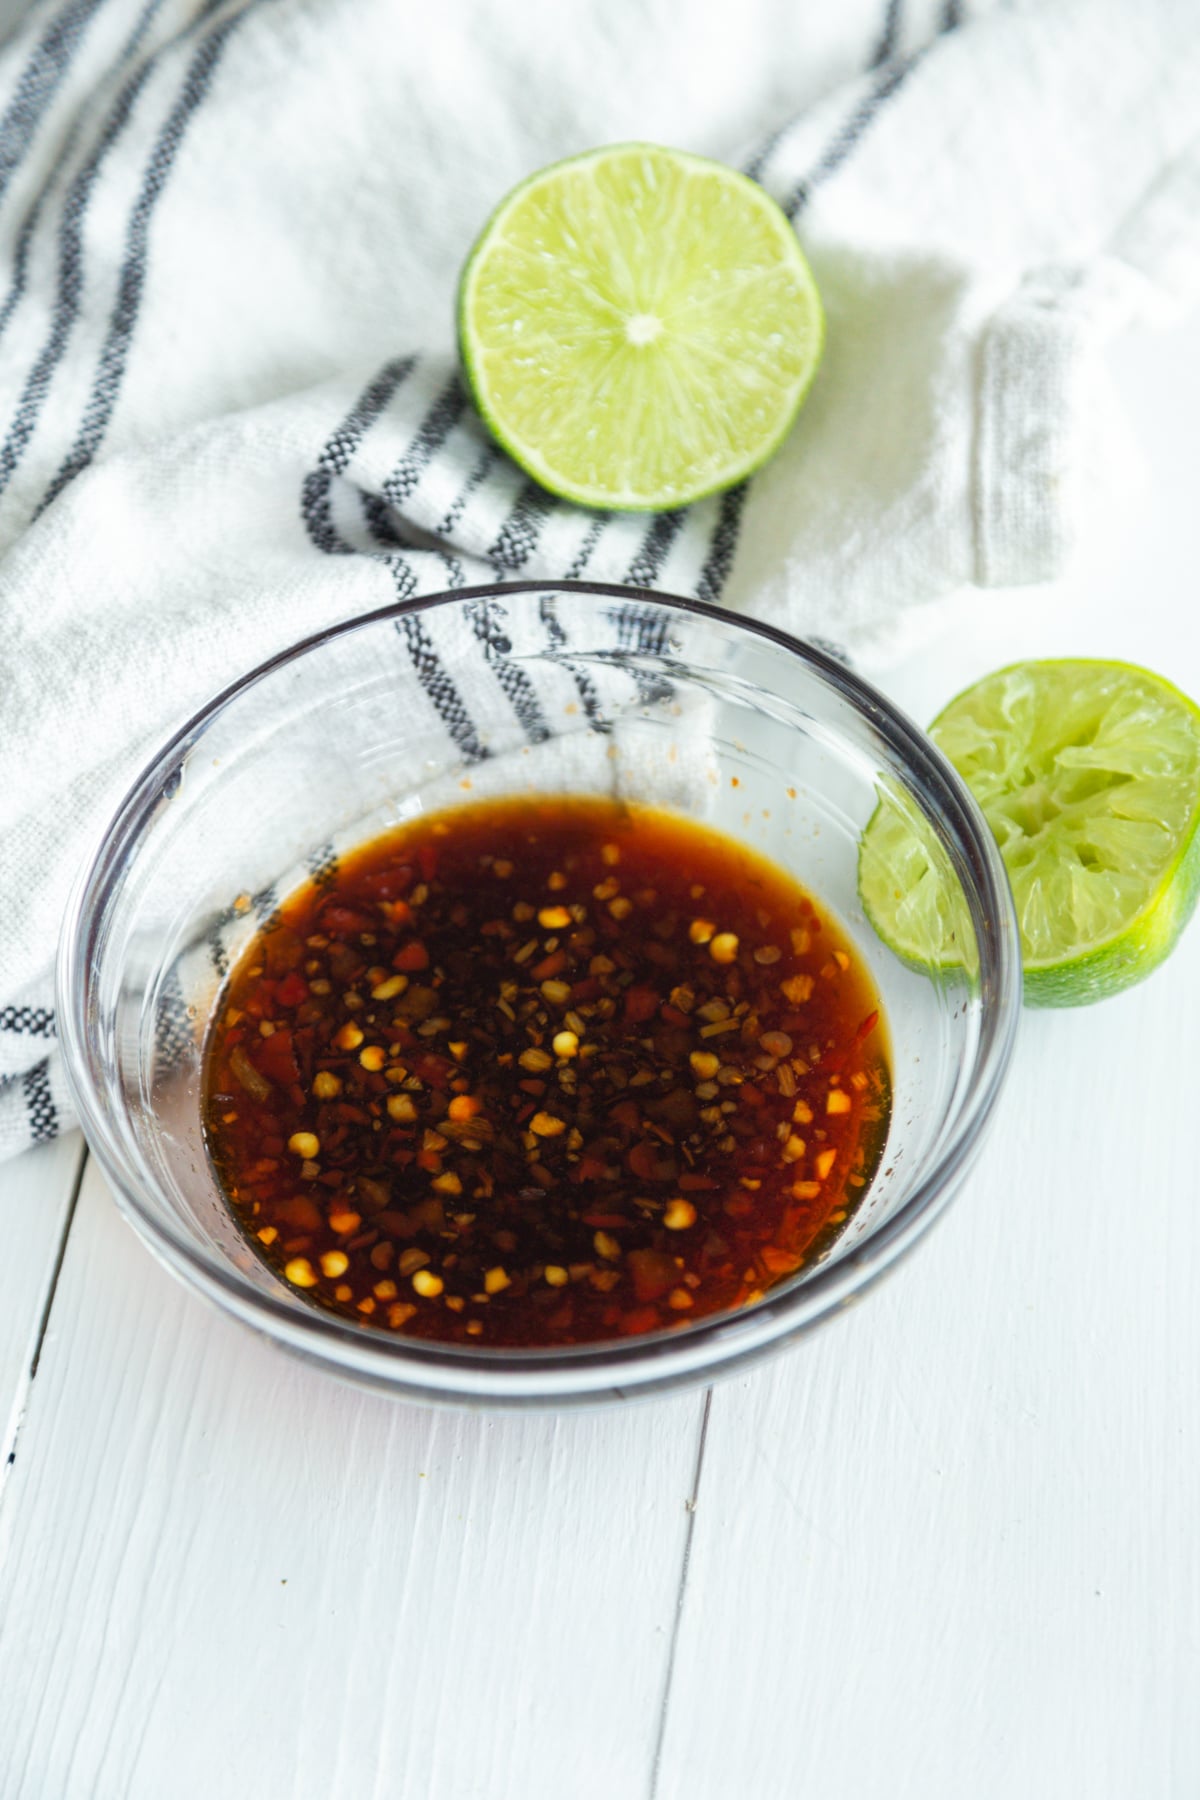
column 1088, row 774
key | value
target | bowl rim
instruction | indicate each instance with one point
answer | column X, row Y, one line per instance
column 421, row 1368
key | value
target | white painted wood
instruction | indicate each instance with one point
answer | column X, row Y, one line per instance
column 950, row 1548
column 228, row 1576
column 35, row 1196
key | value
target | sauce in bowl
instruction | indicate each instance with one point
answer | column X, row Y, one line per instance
column 539, row 1072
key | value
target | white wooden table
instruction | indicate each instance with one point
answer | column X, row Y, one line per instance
column 948, row 1548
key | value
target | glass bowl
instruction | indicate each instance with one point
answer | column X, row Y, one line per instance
column 554, row 688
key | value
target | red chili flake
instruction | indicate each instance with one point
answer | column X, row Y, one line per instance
column 641, row 1003
column 388, row 884
column 653, row 1273
column 274, row 1059
column 292, row 990
column 641, row 1318
column 344, row 921
column 413, row 956
column 549, row 965
column 648, row 1163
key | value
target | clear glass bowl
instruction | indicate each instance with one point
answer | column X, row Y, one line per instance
column 513, row 688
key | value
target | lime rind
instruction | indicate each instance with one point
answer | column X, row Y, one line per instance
column 583, row 255
column 1089, row 775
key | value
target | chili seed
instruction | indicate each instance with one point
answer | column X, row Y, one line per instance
column 545, row 1125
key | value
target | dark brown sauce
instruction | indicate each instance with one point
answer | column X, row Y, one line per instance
column 537, row 1072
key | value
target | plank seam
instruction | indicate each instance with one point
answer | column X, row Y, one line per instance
column 684, row 1571
column 21, row 1405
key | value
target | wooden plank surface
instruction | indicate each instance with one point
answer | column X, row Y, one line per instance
column 36, row 1192
column 226, row 1575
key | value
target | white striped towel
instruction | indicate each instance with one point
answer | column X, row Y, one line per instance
column 229, row 412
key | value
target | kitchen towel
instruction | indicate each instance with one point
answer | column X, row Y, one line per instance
column 229, row 408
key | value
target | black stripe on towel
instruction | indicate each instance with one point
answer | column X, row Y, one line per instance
column 488, row 458
column 266, row 905
column 485, row 617
column 583, row 555
column 646, row 566
column 217, row 953
column 43, row 1114
column 28, row 1021
column 33, row 216
column 589, row 698
column 38, row 83
column 889, row 37
column 110, row 371
column 69, row 287
column 322, row 866
column 443, row 694
column 174, row 1028
column 723, row 547
column 638, row 629
column 316, row 508
column 517, row 538
column 317, row 512
column 381, row 524
column 892, row 73
column 377, row 517
column 889, row 81
column 435, row 428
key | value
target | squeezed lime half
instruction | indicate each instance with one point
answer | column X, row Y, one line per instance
column 638, row 327
column 1089, row 775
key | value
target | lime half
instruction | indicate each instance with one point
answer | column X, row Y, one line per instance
column 1089, row 775
column 638, row 327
